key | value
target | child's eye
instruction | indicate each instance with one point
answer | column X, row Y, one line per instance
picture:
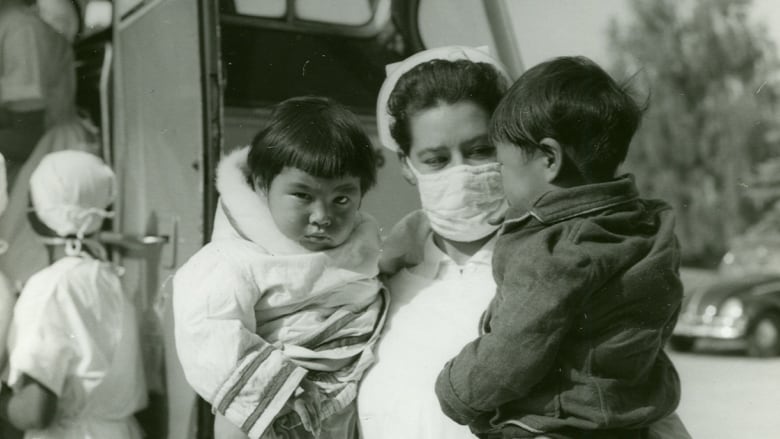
column 301, row 196
column 341, row 200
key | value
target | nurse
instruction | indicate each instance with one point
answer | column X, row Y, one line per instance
column 37, row 117
column 434, row 110
column 37, row 81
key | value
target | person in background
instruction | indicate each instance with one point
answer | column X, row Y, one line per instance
column 75, row 368
column 276, row 318
column 7, row 300
column 434, row 110
column 37, row 81
column 62, row 15
column 38, row 115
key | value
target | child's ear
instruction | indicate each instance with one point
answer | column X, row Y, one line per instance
column 553, row 158
column 405, row 171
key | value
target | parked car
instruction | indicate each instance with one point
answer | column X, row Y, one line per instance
column 740, row 303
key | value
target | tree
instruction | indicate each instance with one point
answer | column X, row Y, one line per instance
column 711, row 78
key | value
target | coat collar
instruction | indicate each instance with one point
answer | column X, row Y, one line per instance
column 566, row 203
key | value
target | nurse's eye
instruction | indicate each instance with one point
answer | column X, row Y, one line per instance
column 483, row 151
column 435, row 161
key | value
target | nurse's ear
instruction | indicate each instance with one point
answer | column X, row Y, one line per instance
column 405, row 170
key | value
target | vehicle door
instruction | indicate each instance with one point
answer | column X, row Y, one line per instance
column 160, row 136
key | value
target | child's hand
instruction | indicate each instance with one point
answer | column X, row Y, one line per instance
column 307, row 405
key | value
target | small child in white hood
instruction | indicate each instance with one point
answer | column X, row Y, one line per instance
column 75, row 358
column 276, row 318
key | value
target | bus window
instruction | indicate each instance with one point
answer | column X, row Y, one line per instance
column 448, row 22
column 266, row 8
column 264, row 66
column 349, row 12
column 357, row 18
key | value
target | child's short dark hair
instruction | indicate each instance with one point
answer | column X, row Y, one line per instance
column 439, row 82
column 316, row 135
column 575, row 102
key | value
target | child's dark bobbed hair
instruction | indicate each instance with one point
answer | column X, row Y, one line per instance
column 575, row 102
column 316, row 135
column 438, row 82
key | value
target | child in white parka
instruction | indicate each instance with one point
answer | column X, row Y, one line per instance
column 276, row 318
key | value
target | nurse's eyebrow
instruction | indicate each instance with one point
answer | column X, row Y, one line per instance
column 475, row 139
column 431, row 149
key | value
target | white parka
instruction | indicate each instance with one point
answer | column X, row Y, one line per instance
column 255, row 312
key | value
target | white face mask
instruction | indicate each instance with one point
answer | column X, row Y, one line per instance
column 460, row 200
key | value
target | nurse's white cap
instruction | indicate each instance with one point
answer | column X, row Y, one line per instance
column 396, row 70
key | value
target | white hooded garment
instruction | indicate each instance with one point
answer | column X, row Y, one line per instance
column 75, row 332
column 73, row 329
column 255, row 312
column 25, row 254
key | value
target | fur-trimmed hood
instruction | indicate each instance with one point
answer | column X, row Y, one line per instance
column 242, row 212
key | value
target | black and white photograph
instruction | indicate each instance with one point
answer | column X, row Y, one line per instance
column 389, row 219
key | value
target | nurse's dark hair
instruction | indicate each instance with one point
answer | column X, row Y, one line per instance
column 574, row 101
column 316, row 135
column 439, row 82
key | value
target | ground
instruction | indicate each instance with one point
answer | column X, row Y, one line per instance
column 727, row 395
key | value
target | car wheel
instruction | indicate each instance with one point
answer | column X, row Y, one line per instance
column 764, row 337
column 681, row 343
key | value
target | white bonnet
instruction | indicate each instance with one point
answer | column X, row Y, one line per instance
column 71, row 190
column 396, row 70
